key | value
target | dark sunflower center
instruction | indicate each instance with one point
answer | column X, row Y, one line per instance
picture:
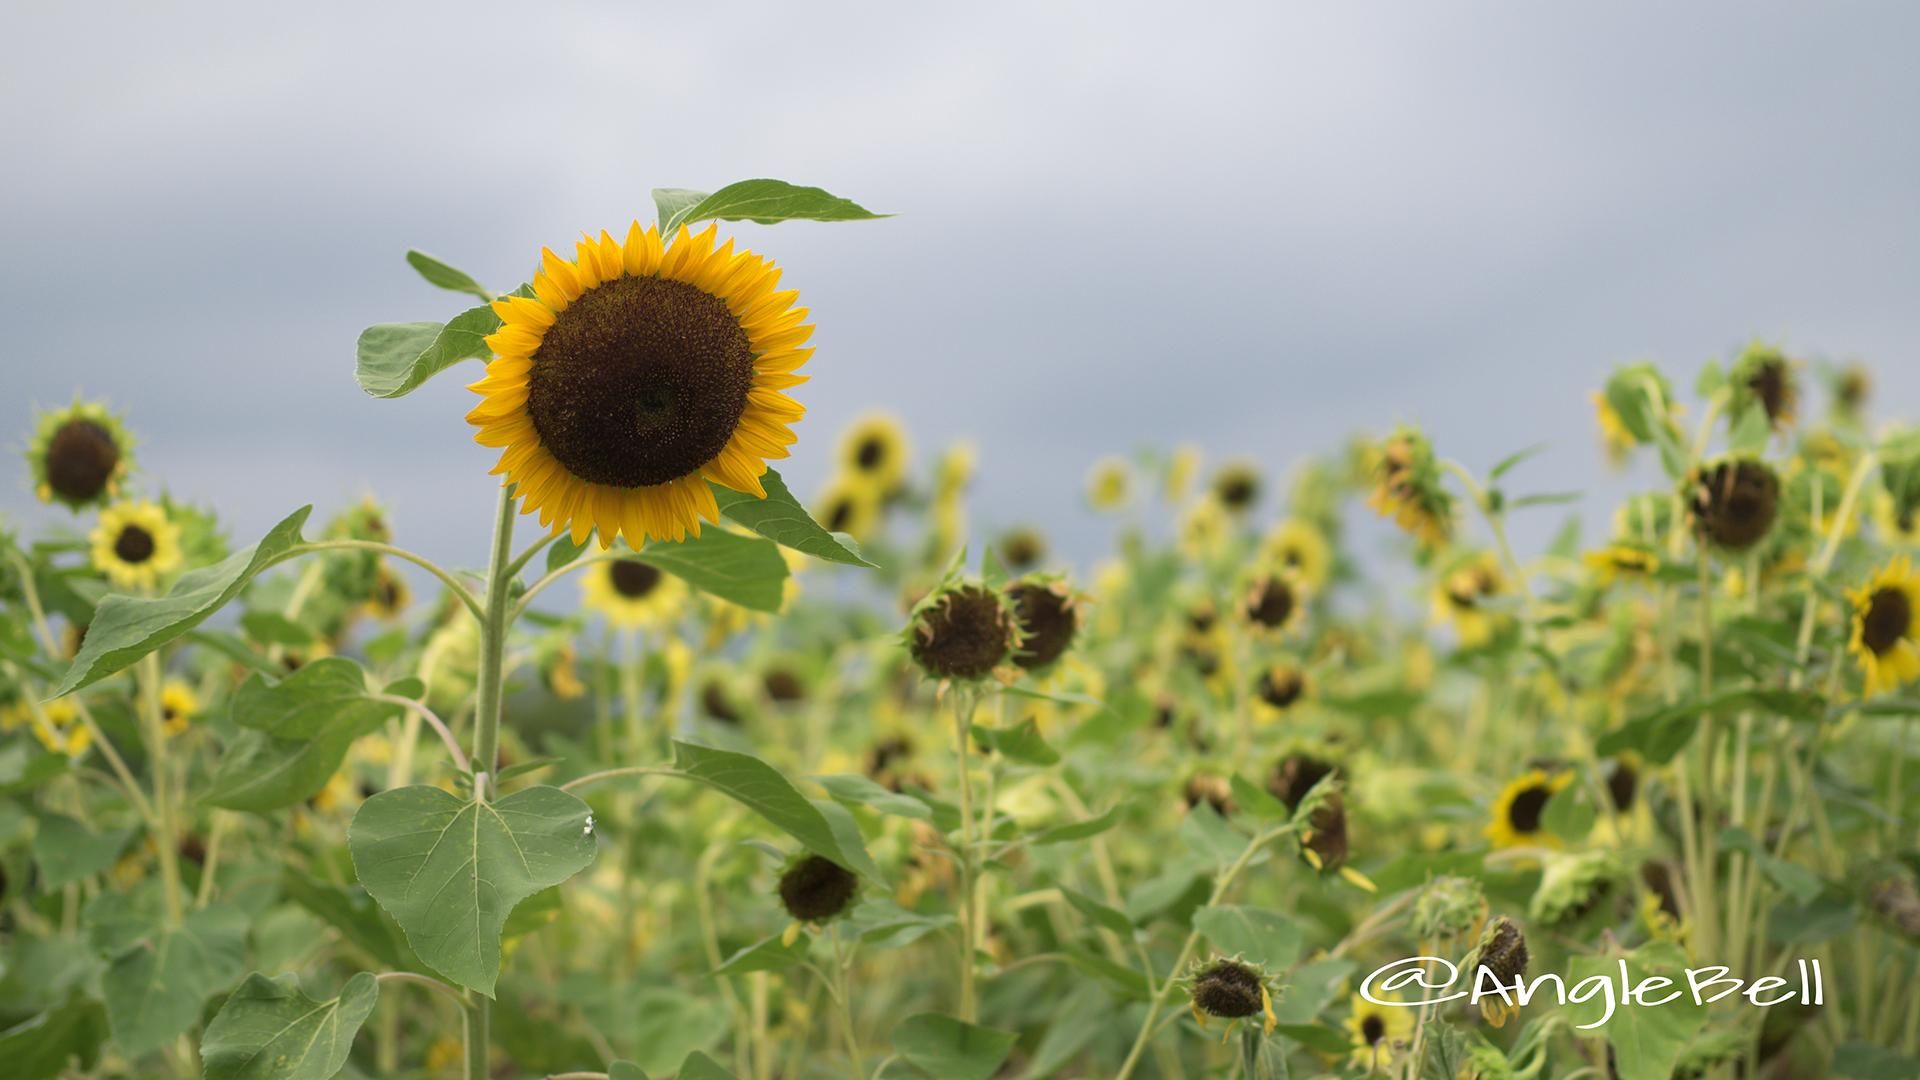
column 840, row 515
column 633, row 580
column 816, row 888
column 1888, row 618
column 1735, row 503
column 1048, row 621
column 1272, row 604
column 1281, row 688
column 1524, row 813
column 640, row 381
column 81, row 458
column 871, row 453
column 1373, row 1029
column 1622, row 786
column 1227, row 990
column 134, row 545
column 784, row 685
column 1237, row 492
column 963, row 636
column 1769, row 384
column 1294, row 776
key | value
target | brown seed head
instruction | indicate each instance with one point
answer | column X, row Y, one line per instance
column 1734, row 503
column 1047, row 620
column 964, row 634
column 816, row 889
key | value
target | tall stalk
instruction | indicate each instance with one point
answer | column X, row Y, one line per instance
column 486, row 730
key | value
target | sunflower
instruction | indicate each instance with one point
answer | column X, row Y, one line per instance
column 1900, row 529
column 1516, row 812
column 79, row 455
column 1237, row 486
column 135, row 543
column 1764, row 377
column 632, row 593
column 1885, row 636
column 873, row 451
column 61, row 734
column 1109, row 484
column 1459, row 597
column 1621, row 561
column 1407, row 485
column 1378, row 1030
column 638, row 373
column 178, row 704
column 849, row 506
column 1301, row 549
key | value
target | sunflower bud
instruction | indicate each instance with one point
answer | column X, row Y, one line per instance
column 1281, row 685
column 1215, row 790
column 961, row 632
column 1449, row 907
column 814, row 889
column 1734, row 502
column 1763, row 377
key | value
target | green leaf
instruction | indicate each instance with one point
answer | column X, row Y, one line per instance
column 299, row 731
column 1711, row 379
column 768, row 955
column 156, row 986
column 1086, row 1012
column 532, row 913
column 25, row 765
column 125, row 628
column 674, row 1028
column 1750, row 435
column 1318, row 1037
column 1511, row 460
column 885, row 924
column 1261, row 936
column 1569, row 814
column 1310, row 988
column 858, row 789
column 68, row 851
column 771, row 201
column 1256, row 800
column 521, row 769
column 951, row 1049
column 744, row 569
column 1828, row 916
column 1081, row 830
column 824, row 828
column 1111, row 918
column 234, row 649
column 348, row 910
column 627, row 1070
column 1208, row 835
column 992, row 573
column 1860, row 1060
column 1021, row 742
column 449, row 870
column 563, row 551
column 1525, row 501
column 1123, row 979
column 673, row 204
column 394, row 359
column 697, row 1066
column 39, row 1047
column 309, row 702
column 1410, row 870
column 780, row 518
column 273, row 628
column 446, row 277
column 1646, row 1039
column 1062, row 698
column 270, row 1030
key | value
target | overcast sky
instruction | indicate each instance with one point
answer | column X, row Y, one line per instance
column 1259, row 227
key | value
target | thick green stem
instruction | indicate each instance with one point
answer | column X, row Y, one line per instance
column 493, row 647
column 964, row 701
column 840, row 961
column 478, row 1036
column 1706, row 903
column 166, row 831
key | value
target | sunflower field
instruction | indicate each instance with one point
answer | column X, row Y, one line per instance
column 687, row 779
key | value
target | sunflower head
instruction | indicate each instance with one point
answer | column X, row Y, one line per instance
column 1571, row 885
column 1047, row 612
column 1022, row 549
column 1273, row 602
column 1763, row 377
column 135, row 544
column 390, row 595
column 1279, row 687
column 1734, row 502
column 1503, row 952
column 1517, row 810
column 1323, row 845
column 873, row 452
column 1237, row 486
column 815, row 889
column 1299, row 549
column 631, row 593
column 636, row 373
column 1462, row 599
column 1229, row 988
column 1211, row 788
column 1850, row 387
column 1624, row 561
column 962, row 631
column 79, row 455
column 1406, row 484
column 1450, row 907
column 848, row 506
column 1295, row 774
column 1109, row 484
column 1886, row 626
column 1379, row 1031
column 178, row 704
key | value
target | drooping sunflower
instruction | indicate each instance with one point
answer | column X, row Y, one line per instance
column 79, row 455
column 135, row 543
column 1886, row 634
column 873, row 451
column 1461, row 596
column 631, row 593
column 1378, row 1030
column 1516, row 811
column 637, row 373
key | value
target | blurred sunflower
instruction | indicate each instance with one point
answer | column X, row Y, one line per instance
column 61, row 734
column 1300, row 548
column 178, row 704
column 1885, row 637
column 1108, row 484
column 134, row 544
column 1900, row 529
column 1237, row 486
column 79, row 455
column 1620, row 561
column 631, row 593
column 1516, row 811
column 873, row 451
column 848, row 506
column 1407, row 485
column 639, row 373
column 1461, row 594
column 1764, row 377
column 1378, row 1030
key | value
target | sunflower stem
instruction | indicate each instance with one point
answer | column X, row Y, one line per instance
column 493, row 647
column 460, row 591
column 964, row 701
column 165, row 830
column 1705, row 902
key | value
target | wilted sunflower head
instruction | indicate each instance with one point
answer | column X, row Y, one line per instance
column 1211, row 788
column 1406, row 480
column 1230, row 989
column 1272, row 601
column 1295, row 774
column 631, row 593
column 1022, row 549
column 1323, row 845
column 815, row 889
column 782, row 684
column 1886, row 626
column 1734, row 502
column 135, row 544
column 1517, row 810
column 635, row 374
column 1237, row 486
column 1047, row 613
column 79, row 455
column 1449, row 906
column 1571, row 885
column 1763, row 377
column 873, row 451
column 1503, row 952
column 1851, row 386
column 1279, row 687
column 962, row 631
column 1462, row 595
column 389, row 596
column 364, row 520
